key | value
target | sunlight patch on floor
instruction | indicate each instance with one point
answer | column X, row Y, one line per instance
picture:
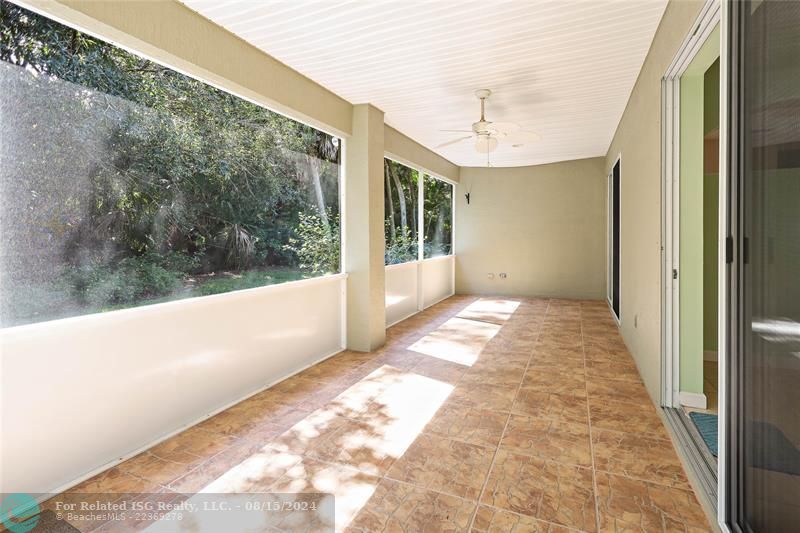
column 362, row 432
column 495, row 310
column 458, row 340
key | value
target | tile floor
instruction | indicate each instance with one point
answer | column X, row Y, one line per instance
column 479, row 414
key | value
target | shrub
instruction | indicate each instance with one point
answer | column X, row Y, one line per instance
column 401, row 248
column 316, row 244
column 129, row 281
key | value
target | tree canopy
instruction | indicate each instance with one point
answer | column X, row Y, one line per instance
column 192, row 180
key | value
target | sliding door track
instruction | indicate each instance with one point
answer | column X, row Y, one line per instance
column 702, row 463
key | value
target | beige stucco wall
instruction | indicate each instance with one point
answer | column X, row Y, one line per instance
column 544, row 226
column 638, row 140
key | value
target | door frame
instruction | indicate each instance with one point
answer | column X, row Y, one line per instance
column 610, row 240
column 707, row 21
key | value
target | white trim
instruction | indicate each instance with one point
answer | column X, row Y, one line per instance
column 437, row 258
column 110, row 464
column 343, row 310
column 707, row 21
column 343, row 147
column 401, row 265
column 696, row 400
column 725, row 45
column 420, row 236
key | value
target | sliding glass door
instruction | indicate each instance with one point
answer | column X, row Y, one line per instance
column 764, row 492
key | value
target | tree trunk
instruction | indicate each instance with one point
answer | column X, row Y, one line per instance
column 391, row 201
column 402, row 195
column 314, row 170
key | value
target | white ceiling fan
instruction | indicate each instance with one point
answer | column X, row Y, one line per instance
column 488, row 135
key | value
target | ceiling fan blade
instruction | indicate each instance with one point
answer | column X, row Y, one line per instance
column 456, row 131
column 454, row 141
column 504, row 128
column 521, row 137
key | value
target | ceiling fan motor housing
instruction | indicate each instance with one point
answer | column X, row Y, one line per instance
column 482, row 126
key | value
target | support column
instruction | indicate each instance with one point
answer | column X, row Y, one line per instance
column 363, row 231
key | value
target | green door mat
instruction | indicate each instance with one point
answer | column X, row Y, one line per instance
column 706, row 424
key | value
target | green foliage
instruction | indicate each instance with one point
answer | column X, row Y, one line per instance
column 130, row 280
column 438, row 217
column 317, row 244
column 188, row 182
column 401, row 248
column 246, row 280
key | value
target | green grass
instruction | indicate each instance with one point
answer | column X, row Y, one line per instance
column 52, row 301
column 247, row 280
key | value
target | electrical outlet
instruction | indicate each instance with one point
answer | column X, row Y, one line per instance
column 503, row 275
column 490, row 275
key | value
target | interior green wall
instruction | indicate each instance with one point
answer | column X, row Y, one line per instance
column 710, row 213
column 691, row 277
column 690, row 272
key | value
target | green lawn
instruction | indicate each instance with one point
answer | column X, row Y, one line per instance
column 53, row 301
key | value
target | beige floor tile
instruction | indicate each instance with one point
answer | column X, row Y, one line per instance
column 195, row 480
column 444, row 465
column 550, row 406
column 556, row 362
column 161, row 469
column 441, row 370
column 497, row 358
column 483, row 427
column 566, row 382
column 636, row 418
column 336, row 439
column 404, row 437
column 553, row 440
column 624, row 370
column 491, row 520
column 547, row 490
column 562, row 341
column 629, row 505
column 484, row 396
column 115, row 480
column 617, row 390
column 500, row 377
column 638, row 457
column 400, row 507
column 350, row 488
column 258, row 418
column 255, row 473
column 304, row 394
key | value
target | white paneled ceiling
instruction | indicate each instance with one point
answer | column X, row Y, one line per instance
column 563, row 69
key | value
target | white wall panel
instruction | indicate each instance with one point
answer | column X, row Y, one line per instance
column 81, row 393
column 401, row 291
column 437, row 279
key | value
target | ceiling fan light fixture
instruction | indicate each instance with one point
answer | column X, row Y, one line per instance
column 485, row 144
